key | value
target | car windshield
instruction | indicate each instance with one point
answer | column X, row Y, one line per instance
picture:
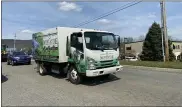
column 100, row 41
column 19, row 53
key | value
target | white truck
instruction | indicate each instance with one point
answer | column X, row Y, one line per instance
column 76, row 52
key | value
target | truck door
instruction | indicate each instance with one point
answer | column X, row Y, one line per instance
column 77, row 51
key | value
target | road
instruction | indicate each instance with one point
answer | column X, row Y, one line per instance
column 23, row 86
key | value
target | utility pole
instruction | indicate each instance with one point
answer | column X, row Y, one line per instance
column 15, row 42
column 163, row 14
column 162, row 34
column 124, row 48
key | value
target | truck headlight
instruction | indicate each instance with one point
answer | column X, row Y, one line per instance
column 91, row 66
column 118, row 63
column 91, row 63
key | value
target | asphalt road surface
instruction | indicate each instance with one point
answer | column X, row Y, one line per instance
column 23, row 86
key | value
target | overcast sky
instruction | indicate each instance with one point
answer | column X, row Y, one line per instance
column 28, row 17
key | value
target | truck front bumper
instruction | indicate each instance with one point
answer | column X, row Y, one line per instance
column 103, row 71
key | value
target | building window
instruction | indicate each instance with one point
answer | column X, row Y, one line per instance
column 176, row 46
column 173, row 46
column 128, row 48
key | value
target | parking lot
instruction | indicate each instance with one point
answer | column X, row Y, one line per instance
column 23, row 86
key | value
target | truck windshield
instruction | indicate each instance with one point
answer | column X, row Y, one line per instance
column 100, row 41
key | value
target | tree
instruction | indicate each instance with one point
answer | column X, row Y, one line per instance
column 152, row 46
column 129, row 40
column 180, row 56
column 141, row 38
column 121, row 40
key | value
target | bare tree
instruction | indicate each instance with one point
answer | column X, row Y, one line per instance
column 141, row 38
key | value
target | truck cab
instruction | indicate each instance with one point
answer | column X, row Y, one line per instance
column 95, row 53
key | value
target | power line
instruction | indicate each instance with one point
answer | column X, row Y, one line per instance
column 105, row 13
column 86, row 22
column 117, row 10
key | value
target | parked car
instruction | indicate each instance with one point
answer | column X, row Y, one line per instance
column 131, row 58
column 18, row 57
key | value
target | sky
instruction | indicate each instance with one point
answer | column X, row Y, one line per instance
column 25, row 18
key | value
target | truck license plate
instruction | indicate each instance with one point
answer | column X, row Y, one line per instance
column 106, row 57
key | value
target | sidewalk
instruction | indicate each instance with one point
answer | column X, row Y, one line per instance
column 154, row 68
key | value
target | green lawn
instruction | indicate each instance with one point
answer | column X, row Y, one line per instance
column 175, row 65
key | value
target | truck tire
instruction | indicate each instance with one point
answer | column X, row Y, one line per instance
column 73, row 76
column 41, row 69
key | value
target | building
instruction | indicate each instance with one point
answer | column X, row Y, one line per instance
column 135, row 48
column 177, row 48
column 20, row 44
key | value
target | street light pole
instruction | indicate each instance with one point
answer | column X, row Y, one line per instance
column 124, row 48
column 15, row 42
column 19, row 31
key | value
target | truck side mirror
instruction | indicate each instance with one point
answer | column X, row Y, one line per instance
column 119, row 41
column 82, row 56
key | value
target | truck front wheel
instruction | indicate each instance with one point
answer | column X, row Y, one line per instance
column 73, row 76
column 41, row 69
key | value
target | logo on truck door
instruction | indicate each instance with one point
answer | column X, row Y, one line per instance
column 106, row 56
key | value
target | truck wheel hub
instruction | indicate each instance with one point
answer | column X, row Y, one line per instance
column 41, row 70
column 74, row 74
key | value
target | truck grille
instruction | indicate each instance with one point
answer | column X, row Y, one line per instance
column 105, row 64
column 106, row 61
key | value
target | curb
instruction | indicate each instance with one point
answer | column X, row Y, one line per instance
column 154, row 69
column 151, row 68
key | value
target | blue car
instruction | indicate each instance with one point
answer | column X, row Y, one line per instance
column 18, row 57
